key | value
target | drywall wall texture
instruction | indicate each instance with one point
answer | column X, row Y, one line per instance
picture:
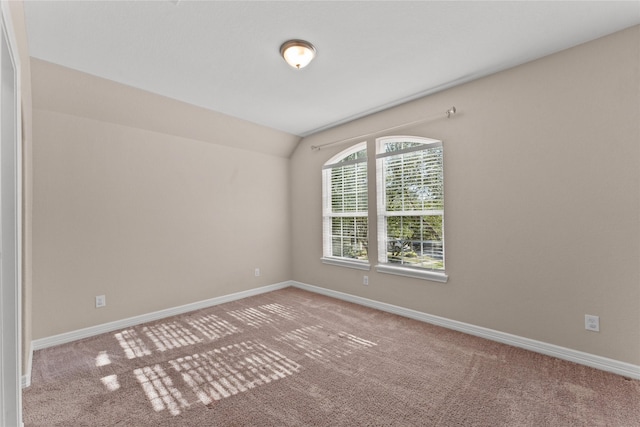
column 149, row 219
column 542, row 173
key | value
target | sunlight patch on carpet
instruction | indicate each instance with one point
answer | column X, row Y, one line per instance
column 111, row 382
column 102, row 359
column 233, row 369
column 321, row 344
column 132, row 344
column 167, row 336
column 264, row 314
column 281, row 310
column 213, row 327
column 160, row 390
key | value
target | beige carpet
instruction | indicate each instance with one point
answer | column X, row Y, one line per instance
column 293, row 358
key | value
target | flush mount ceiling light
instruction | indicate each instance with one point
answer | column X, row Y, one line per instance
column 297, row 53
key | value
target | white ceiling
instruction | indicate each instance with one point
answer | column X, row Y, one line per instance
column 224, row 55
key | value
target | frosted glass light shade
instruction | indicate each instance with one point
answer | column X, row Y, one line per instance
column 297, row 53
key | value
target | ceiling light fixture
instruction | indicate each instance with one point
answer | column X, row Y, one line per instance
column 297, row 53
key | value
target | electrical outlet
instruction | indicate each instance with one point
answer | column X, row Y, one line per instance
column 257, row 272
column 592, row 323
column 101, row 301
column 365, row 280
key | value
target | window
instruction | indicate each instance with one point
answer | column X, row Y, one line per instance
column 410, row 207
column 345, row 208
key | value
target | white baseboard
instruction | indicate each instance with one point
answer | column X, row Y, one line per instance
column 598, row 362
column 149, row 317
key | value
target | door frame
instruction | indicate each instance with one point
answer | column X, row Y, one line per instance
column 11, row 291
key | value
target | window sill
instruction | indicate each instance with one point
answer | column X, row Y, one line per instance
column 413, row 272
column 359, row 265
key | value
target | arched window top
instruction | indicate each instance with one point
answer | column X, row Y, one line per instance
column 390, row 145
column 354, row 154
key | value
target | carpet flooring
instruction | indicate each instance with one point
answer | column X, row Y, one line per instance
column 294, row 358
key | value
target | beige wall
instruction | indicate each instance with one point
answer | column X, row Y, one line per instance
column 150, row 219
column 542, row 173
column 68, row 91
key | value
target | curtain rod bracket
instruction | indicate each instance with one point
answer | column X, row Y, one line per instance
column 450, row 111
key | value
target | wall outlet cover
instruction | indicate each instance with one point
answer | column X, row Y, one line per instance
column 101, row 301
column 592, row 323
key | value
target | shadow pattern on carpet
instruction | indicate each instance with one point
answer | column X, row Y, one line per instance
column 294, row 358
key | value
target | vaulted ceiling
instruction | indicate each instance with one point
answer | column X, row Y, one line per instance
column 224, row 55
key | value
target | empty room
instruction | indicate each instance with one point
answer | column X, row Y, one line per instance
column 309, row 213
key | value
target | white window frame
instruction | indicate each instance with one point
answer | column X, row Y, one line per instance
column 328, row 214
column 383, row 265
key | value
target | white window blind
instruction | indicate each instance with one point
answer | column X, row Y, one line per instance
column 410, row 202
column 345, row 205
